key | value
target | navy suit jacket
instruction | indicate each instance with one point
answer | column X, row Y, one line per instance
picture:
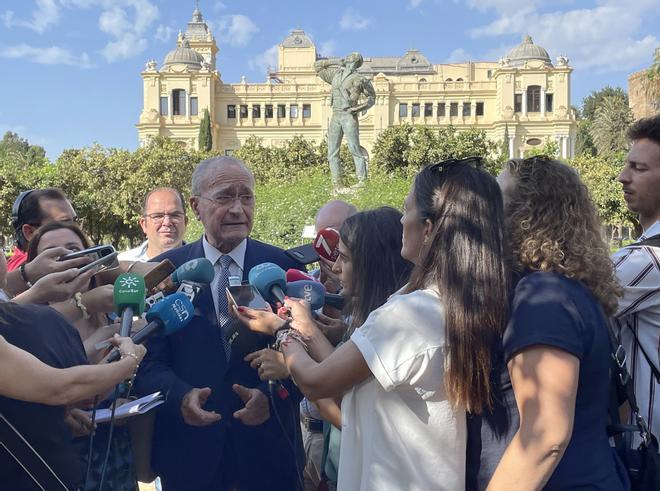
column 188, row 457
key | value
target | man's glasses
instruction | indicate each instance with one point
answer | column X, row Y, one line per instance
column 176, row 217
column 245, row 199
column 474, row 162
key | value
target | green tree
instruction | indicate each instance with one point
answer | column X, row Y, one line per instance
column 389, row 150
column 591, row 102
column 19, row 150
column 610, row 124
column 205, row 134
column 550, row 148
column 584, row 144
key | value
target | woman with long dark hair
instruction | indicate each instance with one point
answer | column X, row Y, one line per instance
column 408, row 374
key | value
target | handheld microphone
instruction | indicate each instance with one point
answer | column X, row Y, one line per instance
column 128, row 296
column 326, row 243
column 270, row 280
column 314, row 292
column 297, row 275
column 166, row 317
column 198, row 270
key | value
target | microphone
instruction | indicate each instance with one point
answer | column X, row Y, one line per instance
column 314, row 292
column 198, row 270
column 270, row 280
column 297, row 275
column 128, row 296
column 326, row 243
column 166, row 317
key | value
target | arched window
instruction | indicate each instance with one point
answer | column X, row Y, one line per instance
column 179, row 102
column 459, row 79
column 449, row 80
column 534, row 99
column 422, row 80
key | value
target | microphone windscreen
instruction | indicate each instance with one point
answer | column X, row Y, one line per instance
column 174, row 312
column 265, row 276
column 326, row 243
column 311, row 291
column 198, row 270
column 297, row 275
column 129, row 291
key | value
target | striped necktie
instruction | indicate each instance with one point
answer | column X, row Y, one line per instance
column 223, row 305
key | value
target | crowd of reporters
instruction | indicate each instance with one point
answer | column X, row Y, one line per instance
column 466, row 343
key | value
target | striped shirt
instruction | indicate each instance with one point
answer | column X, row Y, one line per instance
column 638, row 271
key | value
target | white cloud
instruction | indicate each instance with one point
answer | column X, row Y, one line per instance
column 45, row 14
column 164, row 33
column 602, row 38
column 237, row 29
column 413, row 4
column 327, row 48
column 458, row 55
column 127, row 21
column 53, row 55
column 353, row 21
column 128, row 46
column 219, row 6
column 265, row 60
column 114, row 22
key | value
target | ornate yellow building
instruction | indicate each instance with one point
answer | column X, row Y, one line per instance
column 523, row 94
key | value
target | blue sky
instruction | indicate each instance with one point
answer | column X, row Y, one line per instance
column 70, row 68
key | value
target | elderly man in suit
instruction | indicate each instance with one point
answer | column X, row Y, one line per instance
column 218, row 429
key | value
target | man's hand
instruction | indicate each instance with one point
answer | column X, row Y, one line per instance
column 56, row 287
column 191, row 408
column 79, row 422
column 329, row 279
column 256, row 410
column 100, row 299
column 269, row 364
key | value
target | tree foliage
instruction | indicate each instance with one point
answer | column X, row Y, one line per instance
column 205, row 137
column 591, row 102
column 610, row 125
column 550, row 148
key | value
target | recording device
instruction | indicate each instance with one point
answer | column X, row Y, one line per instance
column 165, row 318
column 164, row 269
column 105, row 262
column 270, row 280
column 314, row 293
column 304, row 254
column 128, row 296
column 94, row 253
column 198, row 270
column 326, row 245
column 246, row 296
column 189, row 288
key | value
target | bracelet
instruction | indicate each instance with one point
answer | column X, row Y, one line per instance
column 285, row 325
column 21, row 270
column 135, row 370
column 284, row 337
column 78, row 299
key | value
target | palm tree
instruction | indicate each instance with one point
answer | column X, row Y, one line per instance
column 611, row 122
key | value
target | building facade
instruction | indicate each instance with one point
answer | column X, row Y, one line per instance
column 523, row 95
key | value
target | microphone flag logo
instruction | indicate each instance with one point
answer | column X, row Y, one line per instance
column 129, row 281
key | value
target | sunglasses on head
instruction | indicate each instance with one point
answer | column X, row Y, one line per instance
column 474, row 162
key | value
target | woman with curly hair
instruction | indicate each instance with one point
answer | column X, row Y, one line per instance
column 556, row 343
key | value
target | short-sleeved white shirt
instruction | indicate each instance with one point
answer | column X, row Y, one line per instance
column 399, row 431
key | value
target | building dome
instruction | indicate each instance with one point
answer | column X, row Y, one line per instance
column 527, row 51
column 297, row 39
column 184, row 55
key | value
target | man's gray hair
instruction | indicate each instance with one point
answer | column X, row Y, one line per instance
column 206, row 167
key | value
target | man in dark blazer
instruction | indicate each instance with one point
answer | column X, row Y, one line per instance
column 219, row 429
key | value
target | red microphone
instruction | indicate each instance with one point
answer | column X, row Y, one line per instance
column 326, row 243
column 297, row 275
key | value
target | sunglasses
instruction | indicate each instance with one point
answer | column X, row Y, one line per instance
column 474, row 162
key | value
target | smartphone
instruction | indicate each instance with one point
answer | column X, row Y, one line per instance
column 246, row 296
column 95, row 253
column 304, row 254
column 106, row 262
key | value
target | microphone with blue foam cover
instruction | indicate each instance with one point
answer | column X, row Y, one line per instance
column 270, row 280
column 314, row 293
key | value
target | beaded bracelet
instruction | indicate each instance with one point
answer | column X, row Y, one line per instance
column 78, row 299
column 21, row 270
column 135, row 370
